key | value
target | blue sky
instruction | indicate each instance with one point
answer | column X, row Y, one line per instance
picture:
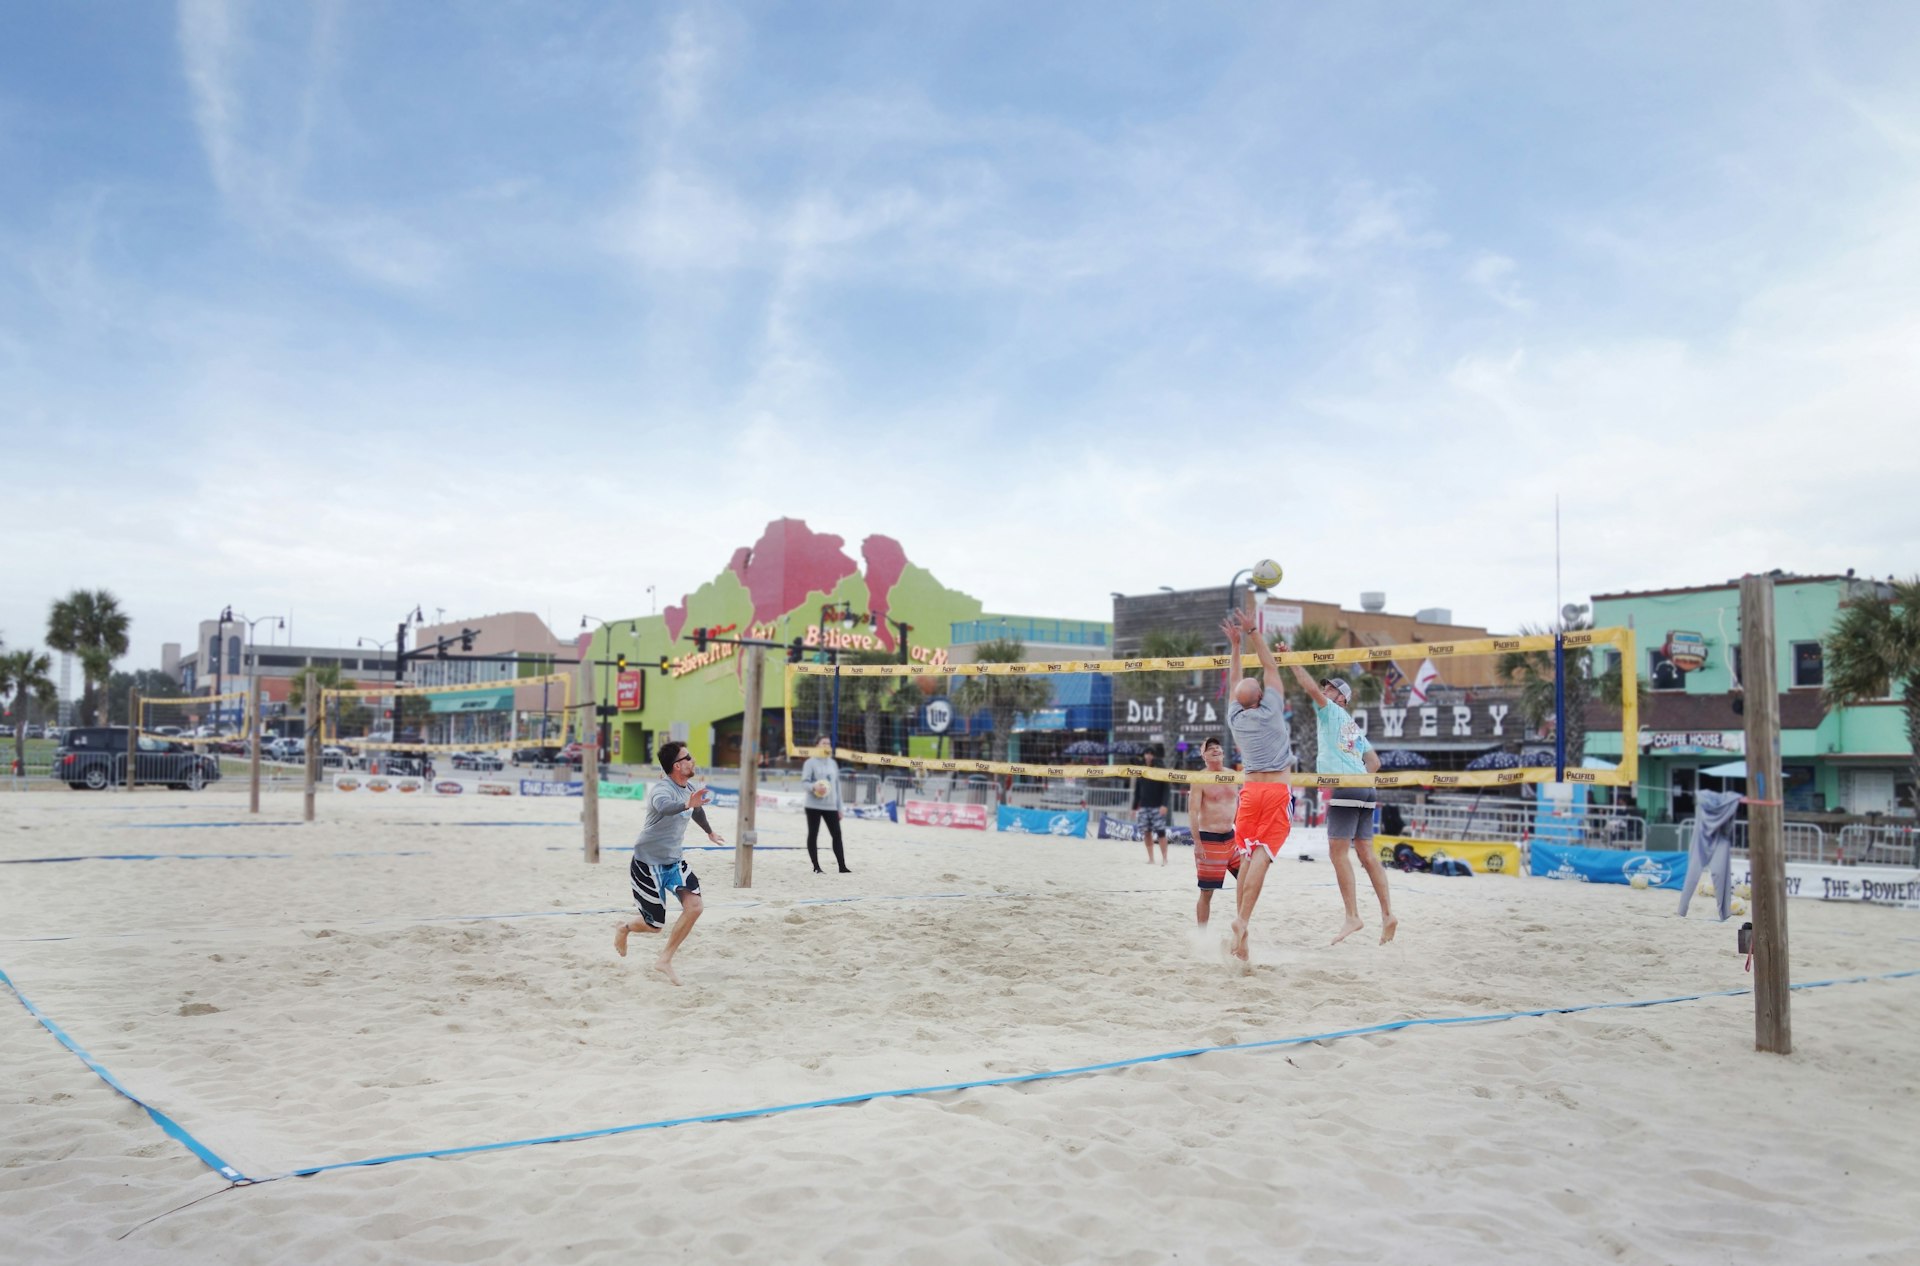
column 340, row 308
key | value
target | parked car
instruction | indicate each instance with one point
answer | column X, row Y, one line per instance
column 95, row 757
column 335, row 758
column 536, row 755
column 286, row 749
column 484, row 761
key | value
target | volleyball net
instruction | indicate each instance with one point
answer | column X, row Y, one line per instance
column 199, row 720
column 472, row 716
column 903, row 716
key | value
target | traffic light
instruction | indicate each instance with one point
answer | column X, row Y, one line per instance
column 700, row 641
column 620, row 661
column 666, row 661
column 466, row 639
column 796, row 650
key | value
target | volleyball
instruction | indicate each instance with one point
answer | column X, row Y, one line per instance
column 1640, row 881
column 1266, row 574
column 820, row 789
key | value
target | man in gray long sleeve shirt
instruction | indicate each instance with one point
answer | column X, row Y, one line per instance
column 657, row 866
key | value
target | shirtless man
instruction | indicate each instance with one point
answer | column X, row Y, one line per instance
column 1345, row 750
column 1210, row 810
column 1257, row 717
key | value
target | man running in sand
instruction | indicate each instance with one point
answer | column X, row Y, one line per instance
column 657, row 866
column 1210, row 810
column 1345, row 750
column 1256, row 715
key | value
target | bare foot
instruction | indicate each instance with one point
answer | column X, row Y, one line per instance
column 1347, row 928
column 1238, row 945
column 620, row 939
column 1388, row 928
column 665, row 968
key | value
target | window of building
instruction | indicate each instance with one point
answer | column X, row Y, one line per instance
column 1807, row 667
column 1662, row 674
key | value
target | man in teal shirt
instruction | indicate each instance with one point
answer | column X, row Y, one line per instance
column 1345, row 750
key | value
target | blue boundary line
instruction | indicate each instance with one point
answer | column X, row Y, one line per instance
column 1048, row 1074
column 202, row 857
column 220, row 1166
column 171, row 1127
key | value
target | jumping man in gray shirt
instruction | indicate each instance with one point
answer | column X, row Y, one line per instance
column 657, row 867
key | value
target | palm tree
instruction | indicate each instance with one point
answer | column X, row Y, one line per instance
column 875, row 699
column 24, row 679
column 1532, row 671
column 1873, row 644
column 91, row 625
column 1002, row 698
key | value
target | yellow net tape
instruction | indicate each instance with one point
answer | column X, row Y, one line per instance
column 1624, row 776
column 329, row 732
column 154, row 712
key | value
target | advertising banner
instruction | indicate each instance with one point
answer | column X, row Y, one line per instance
column 378, row 784
column 971, row 817
column 538, row 787
column 1609, row 865
column 875, row 812
column 493, row 787
column 1485, row 859
column 1113, row 828
column 1043, row 821
column 1875, row 885
column 630, row 692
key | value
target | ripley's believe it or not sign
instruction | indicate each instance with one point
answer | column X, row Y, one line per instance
column 774, row 590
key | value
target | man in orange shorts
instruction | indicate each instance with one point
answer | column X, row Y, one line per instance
column 1210, row 811
column 1256, row 714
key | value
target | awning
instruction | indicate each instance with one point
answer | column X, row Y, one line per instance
column 1732, row 769
column 472, row 701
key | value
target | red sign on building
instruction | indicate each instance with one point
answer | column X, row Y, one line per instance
column 631, row 693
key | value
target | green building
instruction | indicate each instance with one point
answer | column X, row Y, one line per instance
column 1847, row 760
column 792, row 586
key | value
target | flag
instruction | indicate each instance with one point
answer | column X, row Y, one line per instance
column 1394, row 679
column 1426, row 678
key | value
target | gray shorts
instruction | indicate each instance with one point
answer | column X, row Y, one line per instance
column 1151, row 821
column 1353, row 819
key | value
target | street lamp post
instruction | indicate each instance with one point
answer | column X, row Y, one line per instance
column 604, row 708
column 253, row 698
column 378, row 646
column 219, row 664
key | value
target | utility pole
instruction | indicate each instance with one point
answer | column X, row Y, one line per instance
column 1772, row 981
column 749, row 770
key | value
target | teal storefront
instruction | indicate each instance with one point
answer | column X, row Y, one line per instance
column 1845, row 760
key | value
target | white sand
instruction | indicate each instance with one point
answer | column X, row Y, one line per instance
column 324, row 1008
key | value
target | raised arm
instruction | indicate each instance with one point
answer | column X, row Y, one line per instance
column 1231, row 627
column 1312, row 687
column 1267, row 662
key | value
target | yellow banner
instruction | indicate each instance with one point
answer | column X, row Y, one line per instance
column 1582, row 638
column 1623, row 776
column 1486, row 859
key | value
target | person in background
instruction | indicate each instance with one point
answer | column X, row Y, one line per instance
column 1150, row 810
column 821, row 774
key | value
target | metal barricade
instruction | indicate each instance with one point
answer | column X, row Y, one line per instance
column 1800, row 841
column 1880, row 844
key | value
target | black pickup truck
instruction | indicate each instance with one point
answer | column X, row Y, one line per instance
column 94, row 757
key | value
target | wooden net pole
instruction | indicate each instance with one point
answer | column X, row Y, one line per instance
column 250, row 721
column 1772, row 981
column 133, row 734
column 590, row 793
column 744, row 817
column 314, row 739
